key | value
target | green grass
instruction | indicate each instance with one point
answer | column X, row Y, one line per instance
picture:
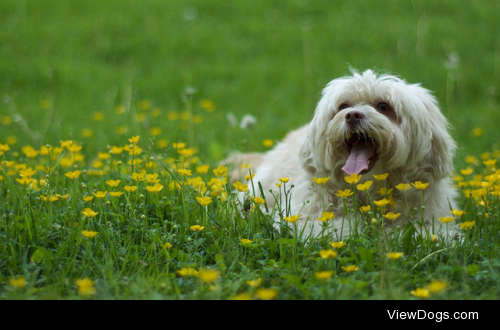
column 64, row 61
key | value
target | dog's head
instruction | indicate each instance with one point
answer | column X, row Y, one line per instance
column 365, row 121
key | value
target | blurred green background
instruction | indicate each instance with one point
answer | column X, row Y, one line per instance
column 63, row 60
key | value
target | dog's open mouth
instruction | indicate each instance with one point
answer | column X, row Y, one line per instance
column 362, row 155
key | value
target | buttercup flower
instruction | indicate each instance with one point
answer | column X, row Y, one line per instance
column 258, row 200
column 436, row 286
column 364, row 186
column 321, row 180
column 394, row 255
column 353, row 178
column 73, row 175
column 89, row 213
column 403, row 187
column 116, row 193
column 113, row 183
column 204, row 201
column 420, row 293
column 467, row 171
column 18, row 282
column 184, row 172
column 446, row 219
column 419, row 185
column 326, row 216
column 86, row 287
column 327, row 254
column 220, row 171
column 292, row 219
column 255, row 283
column 130, row 188
column 392, row 215
column 208, row 275
column 245, row 241
column 467, row 225
column 344, row 193
column 154, row 189
column 350, row 269
column 266, row 294
column 197, row 228
column 365, row 209
column 381, row 177
column 240, row 187
column 382, row 203
column 457, row 213
column 89, row 234
column 337, row 245
column 324, row 275
column 101, row 194
column 284, row 180
column 187, row 272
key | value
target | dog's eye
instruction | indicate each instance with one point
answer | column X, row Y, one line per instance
column 382, row 106
column 343, row 106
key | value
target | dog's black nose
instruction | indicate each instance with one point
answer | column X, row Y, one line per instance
column 353, row 117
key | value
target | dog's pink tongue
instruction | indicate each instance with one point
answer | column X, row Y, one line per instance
column 358, row 158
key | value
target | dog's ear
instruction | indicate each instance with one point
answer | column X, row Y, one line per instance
column 435, row 144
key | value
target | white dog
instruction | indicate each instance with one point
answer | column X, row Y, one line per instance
column 366, row 125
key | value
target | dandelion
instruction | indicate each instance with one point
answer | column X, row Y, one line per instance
column 240, row 187
column 187, row 272
column 292, row 219
column 353, row 178
column 420, row 293
column 446, row 219
column 101, row 194
column 344, row 193
column 328, row 254
column 467, row 225
column 326, row 216
column 350, row 269
column 284, row 180
column 394, row 255
column 255, row 283
column 337, row 245
column 321, row 180
column 266, row 294
column 204, row 201
column 113, row 183
column 73, row 175
column 246, row 241
column 364, row 186
column 258, row 200
column 403, row 187
column 86, row 287
column 381, row 177
column 436, row 286
column 89, row 213
column 18, row 282
column 130, row 188
column 197, row 228
column 392, row 215
column 154, row 189
column 365, row 209
column 324, row 275
column 208, row 275
column 419, row 185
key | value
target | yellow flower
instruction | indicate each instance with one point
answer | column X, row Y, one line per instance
column 187, row 272
column 100, row 194
column 154, row 189
column 467, row 225
column 220, row 171
column 134, row 139
column 245, row 241
column 266, row 294
column 350, row 269
column 17, row 282
column 204, row 201
column 89, row 213
column 184, row 172
column 381, row 177
column 321, row 180
column 268, row 143
column 337, row 245
column 258, row 200
column 324, row 275
column 86, row 287
column 28, row 173
column 344, row 193
column 74, row 148
column 366, row 209
column 436, row 286
column 394, row 255
column 73, row 175
column 208, row 105
column 326, row 216
column 113, row 183
column 240, row 187
column 382, row 203
column 420, row 293
column 467, row 171
column 89, row 234
column 116, row 193
column 364, row 186
column 284, row 180
column 353, row 178
column 478, row 131
column 420, row 185
column 490, row 162
column 66, row 144
column 403, row 187
column 25, row 181
column 446, row 219
column 242, row 296
column 130, row 188
column 384, row 191
column 255, row 283
column 168, row 245
column 88, row 198
column 292, row 219
column 392, row 215
column 49, row 198
column 197, row 228
column 202, row 169
column 208, row 275
column 327, row 254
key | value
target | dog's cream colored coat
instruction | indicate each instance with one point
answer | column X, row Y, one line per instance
column 411, row 145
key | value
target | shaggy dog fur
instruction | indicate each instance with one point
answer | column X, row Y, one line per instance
column 368, row 125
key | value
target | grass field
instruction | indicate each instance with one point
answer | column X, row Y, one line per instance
column 114, row 115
